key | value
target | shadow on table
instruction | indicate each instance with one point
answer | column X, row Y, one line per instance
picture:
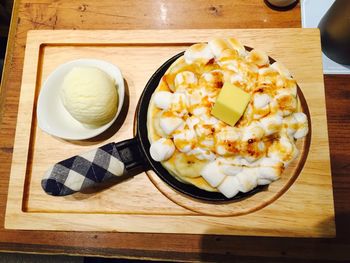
column 113, row 260
column 219, row 248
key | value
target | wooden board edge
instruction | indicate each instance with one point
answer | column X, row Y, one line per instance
column 24, row 117
column 327, row 127
column 140, row 224
column 317, row 33
column 137, row 35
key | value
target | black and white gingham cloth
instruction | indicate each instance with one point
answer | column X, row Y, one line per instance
column 83, row 171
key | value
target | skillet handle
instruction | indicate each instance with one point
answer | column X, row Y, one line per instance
column 90, row 169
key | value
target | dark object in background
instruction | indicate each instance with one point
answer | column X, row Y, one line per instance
column 5, row 16
column 335, row 32
column 281, row 5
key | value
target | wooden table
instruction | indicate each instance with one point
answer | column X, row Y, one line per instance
column 161, row 14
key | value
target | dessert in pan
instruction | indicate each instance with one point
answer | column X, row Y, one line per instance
column 216, row 122
column 224, row 119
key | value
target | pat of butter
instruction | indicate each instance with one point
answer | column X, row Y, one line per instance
column 230, row 104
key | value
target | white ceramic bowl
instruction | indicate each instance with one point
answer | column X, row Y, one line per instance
column 52, row 116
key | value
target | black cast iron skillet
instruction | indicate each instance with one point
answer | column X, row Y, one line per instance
column 144, row 144
column 134, row 153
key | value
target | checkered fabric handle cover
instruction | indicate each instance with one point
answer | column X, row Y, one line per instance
column 84, row 171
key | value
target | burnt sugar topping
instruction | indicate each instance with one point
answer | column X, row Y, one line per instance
column 199, row 149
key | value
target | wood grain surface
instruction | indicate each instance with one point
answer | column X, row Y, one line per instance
column 133, row 205
column 110, row 14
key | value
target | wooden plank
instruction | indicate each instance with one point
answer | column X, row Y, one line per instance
column 149, row 49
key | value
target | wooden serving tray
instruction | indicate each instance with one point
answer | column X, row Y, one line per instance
column 137, row 205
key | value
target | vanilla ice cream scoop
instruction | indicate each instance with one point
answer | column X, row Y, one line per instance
column 90, row 95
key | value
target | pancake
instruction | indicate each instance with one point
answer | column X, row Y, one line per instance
column 198, row 149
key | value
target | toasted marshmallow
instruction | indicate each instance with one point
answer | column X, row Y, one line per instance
column 162, row 149
column 217, row 46
column 184, row 79
column 162, row 99
column 223, row 138
column 179, row 103
column 229, row 187
column 290, row 124
column 228, row 60
column 274, row 109
column 200, row 110
column 231, row 65
column 258, row 57
column 294, row 154
column 210, row 77
column 251, row 158
column 261, row 100
column 261, row 105
column 231, row 169
column 208, row 119
column 280, row 82
column 221, row 149
column 204, row 93
column 195, row 97
column 237, row 78
column 236, row 45
column 212, row 174
column 289, row 86
column 287, row 103
column 252, row 68
column 301, row 132
column 185, row 140
column 169, row 124
column 263, row 181
column 192, row 121
column 156, row 125
column 260, row 113
column 202, row 154
column 283, row 150
column 254, row 151
column 267, row 71
column 271, row 124
column 227, row 134
column 253, row 132
column 227, row 56
column 303, row 127
column 207, row 142
column 248, row 180
column 202, row 130
column 198, row 53
column 214, row 78
column 270, row 169
column 281, row 69
column 280, row 147
column 269, row 173
column 244, row 162
column 270, row 162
